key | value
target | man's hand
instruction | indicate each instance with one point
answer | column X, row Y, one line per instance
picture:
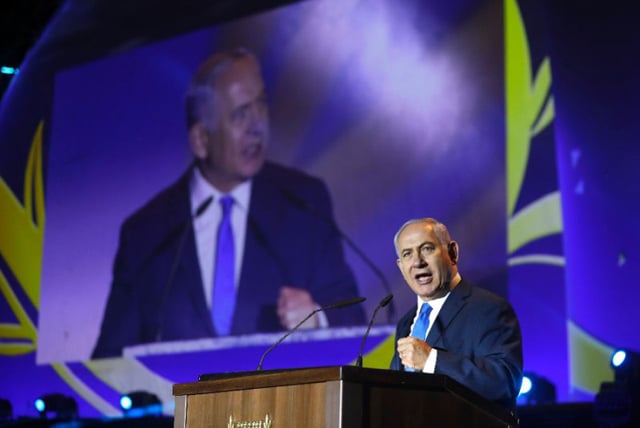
column 293, row 305
column 413, row 352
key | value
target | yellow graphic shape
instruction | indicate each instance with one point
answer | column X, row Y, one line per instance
column 380, row 356
column 530, row 109
column 589, row 360
column 128, row 374
column 21, row 242
column 84, row 391
column 18, row 338
column 536, row 259
column 529, row 105
column 541, row 218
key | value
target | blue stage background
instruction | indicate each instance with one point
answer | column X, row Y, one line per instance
column 510, row 121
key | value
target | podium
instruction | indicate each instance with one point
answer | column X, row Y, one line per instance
column 333, row 397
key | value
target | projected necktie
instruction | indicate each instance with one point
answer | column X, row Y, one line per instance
column 224, row 289
column 420, row 327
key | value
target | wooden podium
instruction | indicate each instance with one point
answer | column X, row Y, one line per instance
column 345, row 396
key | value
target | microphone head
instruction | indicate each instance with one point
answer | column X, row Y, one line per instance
column 203, row 206
column 344, row 303
column 384, row 302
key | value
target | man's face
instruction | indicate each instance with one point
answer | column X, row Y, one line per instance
column 235, row 149
column 424, row 261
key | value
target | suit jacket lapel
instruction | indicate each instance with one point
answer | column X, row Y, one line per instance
column 189, row 268
column 404, row 327
column 454, row 303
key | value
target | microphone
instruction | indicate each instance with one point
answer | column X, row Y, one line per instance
column 384, row 302
column 304, row 205
column 176, row 260
column 174, row 234
column 203, row 207
column 338, row 305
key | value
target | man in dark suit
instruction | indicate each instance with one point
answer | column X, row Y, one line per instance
column 288, row 254
column 468, row 334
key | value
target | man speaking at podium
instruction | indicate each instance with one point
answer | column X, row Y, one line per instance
column 456, row 329
column 238, row 244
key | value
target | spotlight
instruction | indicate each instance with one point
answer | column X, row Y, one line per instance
column 626, row 367
column 56, row 406
column 6, row 411
column 140, row 403
column 536, row 390
column 526, row 386
column 617, row 358
column 617, row 402
column 8, row 70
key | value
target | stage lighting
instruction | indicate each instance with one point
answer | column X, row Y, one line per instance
column 56, row 406
column 6, row 411
column 140, row 403
column 626, row 367
column 617, row 403
column 8, row 70
column 613, row 404
column 536, row 390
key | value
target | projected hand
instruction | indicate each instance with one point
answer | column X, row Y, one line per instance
column 293, row 305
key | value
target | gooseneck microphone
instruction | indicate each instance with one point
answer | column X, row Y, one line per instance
column 176, row 260
column 384, row 302
column 341, row 304
column 304, row 205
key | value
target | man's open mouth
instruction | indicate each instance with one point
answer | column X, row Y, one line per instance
column 423, row 277
column 252, row 150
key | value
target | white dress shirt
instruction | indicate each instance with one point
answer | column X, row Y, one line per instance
column 205, row 227
column 436, row 305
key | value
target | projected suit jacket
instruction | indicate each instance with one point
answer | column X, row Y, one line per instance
column 290, row 240
column 479, row 344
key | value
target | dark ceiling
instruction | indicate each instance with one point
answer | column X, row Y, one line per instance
column 21, row 23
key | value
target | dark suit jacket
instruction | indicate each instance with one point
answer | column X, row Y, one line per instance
column 290, row 240
column 479, row 344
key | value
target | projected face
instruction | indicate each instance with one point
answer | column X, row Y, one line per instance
column 424, row 261
column 234, row 150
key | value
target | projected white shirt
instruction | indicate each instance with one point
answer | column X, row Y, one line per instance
column 206, row 226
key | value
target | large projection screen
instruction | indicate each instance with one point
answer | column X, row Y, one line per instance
column 397, row 106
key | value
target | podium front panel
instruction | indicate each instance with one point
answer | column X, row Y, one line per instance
column 307, row 405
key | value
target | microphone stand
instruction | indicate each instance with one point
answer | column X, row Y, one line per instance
column 285, row 336
column 174, row 266
column 384, row 302
column 331, row 222
column 342, row 304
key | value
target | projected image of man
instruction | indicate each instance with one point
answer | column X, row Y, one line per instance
column 237, row 244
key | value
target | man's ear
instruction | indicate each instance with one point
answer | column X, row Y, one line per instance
column 452, row 249
column 199, row 140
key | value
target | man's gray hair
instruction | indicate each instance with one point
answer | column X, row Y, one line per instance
column 440, row 230
column 200, row 96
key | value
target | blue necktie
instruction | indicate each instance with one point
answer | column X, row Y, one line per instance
column 422, row 323
column 420, row 327
column 224, row 288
